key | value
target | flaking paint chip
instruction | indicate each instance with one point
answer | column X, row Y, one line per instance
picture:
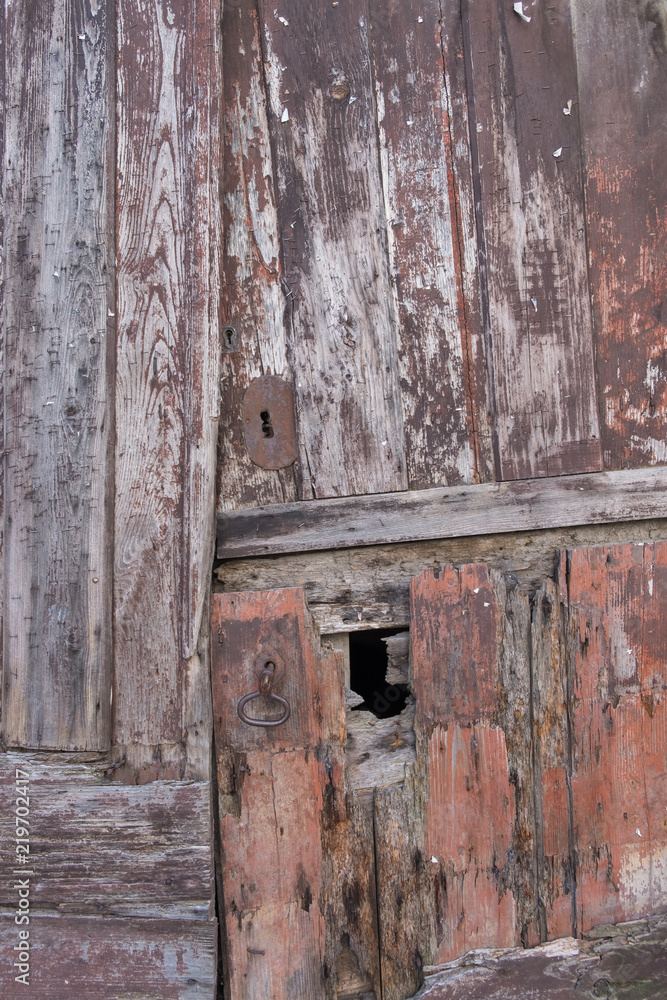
column 639, row 833
column 434, row 860
column 518, row 9
column 567, row 110
column 283, row 20
column 285, row 115
column 558, row 152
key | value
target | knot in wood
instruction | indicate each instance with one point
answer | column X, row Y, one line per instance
column 340, row 91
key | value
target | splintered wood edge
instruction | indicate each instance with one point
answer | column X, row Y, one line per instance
column 449, row 512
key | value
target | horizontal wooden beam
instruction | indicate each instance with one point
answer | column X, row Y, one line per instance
column 450, row 512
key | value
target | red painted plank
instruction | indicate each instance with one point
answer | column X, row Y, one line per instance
column 282, row 798
column 619, row 605
column 471, row 817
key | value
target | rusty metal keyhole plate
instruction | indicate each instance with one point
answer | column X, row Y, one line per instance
column 268, row 422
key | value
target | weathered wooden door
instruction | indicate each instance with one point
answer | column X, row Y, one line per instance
column 531, row 803
column 444, row 393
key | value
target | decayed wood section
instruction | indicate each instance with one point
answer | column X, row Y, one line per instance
column 443, row 513
column 298, row 879
column 622, row 61
column 59, row 411
column 121, row 880
column 168, row 230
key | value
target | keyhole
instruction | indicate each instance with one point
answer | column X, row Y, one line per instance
column 230, row 339
column 229, row 335
column 267, row 429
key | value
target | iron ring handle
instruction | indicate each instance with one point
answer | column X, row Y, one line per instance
column 263, row 722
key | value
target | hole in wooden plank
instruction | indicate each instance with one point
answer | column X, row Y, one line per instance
column 384, row 696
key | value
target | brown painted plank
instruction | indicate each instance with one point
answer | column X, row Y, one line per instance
column 342, row 323
column 106, row 958
column 622, row 60
column 617, row 654
column 298, row 880
column 100, row 848
column 59, row 411
column 450, row 512
column 531, row 224
column 168, row 355
column 424, row 216
column 3, row 36
column 254, row 335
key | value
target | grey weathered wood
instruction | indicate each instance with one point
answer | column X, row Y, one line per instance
column 59, row 321
column 420, row 190
column 444, row 513
column 254, row 304
column 531, row 227
column 101, row 848
column 379, row 751
column 342, row 323
column 168, row 234
column 107, row 958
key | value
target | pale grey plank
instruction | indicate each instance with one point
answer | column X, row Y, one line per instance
column 451, row 512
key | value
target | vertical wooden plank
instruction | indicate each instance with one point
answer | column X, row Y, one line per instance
column 421, row 198
column 297, row 869
column 342, row 323
column 168, row 356
column 531, row 225
column 465, row 821
column 254, row 334
column 618, row 610
column 622, row 60
column 3, row 259
column 59, row 413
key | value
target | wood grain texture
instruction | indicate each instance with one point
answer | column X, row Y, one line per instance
column 330, row 201
column 100, row 848
column 255, row 310
column 617, row 658
column 298, row 878
column 59, row 413
column 415, row 136
column 168, row 360
column 531, row 229
column 106, row 958
column 622, row 61
column 449, row 512
column 3, row 201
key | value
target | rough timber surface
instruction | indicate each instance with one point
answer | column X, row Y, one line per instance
column 167, row 370
column 622, row 62
column 100, row 848
column 108, row 958
column 624, row 962
column 414, row 113
column 527, row 156
column 255, row 309
column 58, row 406
column 298, row 878
column 330, row 206
column 449, row 512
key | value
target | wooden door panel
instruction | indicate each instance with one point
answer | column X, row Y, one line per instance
column 298, row 875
